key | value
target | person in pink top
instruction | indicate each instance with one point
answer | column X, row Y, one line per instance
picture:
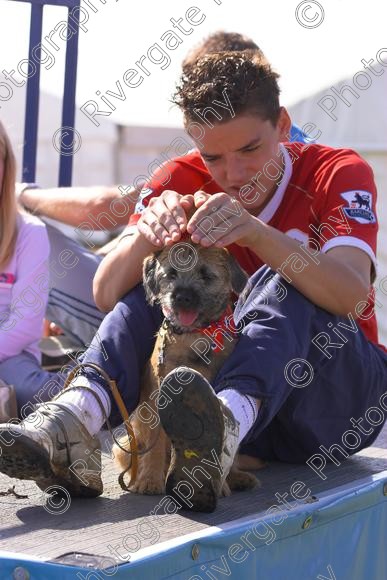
column 24, row 287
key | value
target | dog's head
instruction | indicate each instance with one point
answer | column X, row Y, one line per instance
column 192, row 284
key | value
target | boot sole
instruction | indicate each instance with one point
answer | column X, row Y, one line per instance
column 194, row 423
column 25, row 459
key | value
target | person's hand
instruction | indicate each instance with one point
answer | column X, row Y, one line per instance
column 51, row 329
column 221, row 220
column 165, row 219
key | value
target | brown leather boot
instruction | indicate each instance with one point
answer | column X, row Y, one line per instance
column 53, row 448
column 204, row 437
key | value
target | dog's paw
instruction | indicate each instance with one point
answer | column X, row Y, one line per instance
column 249, row 463
column 241, row 480
column 148, row 484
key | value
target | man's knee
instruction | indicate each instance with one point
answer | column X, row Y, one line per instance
column 270, row 289
column 135, row 303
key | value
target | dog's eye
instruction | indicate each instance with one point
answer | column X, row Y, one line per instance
column 206, row 275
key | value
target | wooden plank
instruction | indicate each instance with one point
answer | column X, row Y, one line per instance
column 118, row 524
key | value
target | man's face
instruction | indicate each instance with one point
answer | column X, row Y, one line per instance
column 237, row 152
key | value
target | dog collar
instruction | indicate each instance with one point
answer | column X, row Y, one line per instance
column 209, row 331
column 222, row 324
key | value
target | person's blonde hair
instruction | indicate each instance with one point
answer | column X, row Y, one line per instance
column 8, row 206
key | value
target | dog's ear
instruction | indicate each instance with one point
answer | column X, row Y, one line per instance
column 149, row 278
column 238, row 276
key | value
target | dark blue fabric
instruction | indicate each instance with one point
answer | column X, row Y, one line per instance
column 279, row 325
column 276, row 325
column 123, row 344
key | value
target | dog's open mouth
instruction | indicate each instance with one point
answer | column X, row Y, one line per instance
column 187, row 317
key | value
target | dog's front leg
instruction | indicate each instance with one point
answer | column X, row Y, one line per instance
column 152, row 465
column 153, row 444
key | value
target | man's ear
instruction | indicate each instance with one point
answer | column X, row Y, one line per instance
column 149, row 278
column 238, row 276
column 284, row 125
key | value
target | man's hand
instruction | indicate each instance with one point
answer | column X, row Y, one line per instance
column 221, row 220
column 165, row 218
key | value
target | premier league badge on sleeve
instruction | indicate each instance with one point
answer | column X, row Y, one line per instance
column 359, row 206
column 142, row 201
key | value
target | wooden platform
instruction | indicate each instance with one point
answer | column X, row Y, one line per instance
column 115, row 518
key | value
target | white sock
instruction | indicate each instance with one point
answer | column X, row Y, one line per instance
column 243, row 407
column 85, row 405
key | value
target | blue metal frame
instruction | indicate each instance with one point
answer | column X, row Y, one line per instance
column 32, row 94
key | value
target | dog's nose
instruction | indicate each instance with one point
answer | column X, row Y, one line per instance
column 185, row 298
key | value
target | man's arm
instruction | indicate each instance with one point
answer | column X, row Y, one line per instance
column 337, row 281
column 74, row 205
column 120, row 270
column 111, row 245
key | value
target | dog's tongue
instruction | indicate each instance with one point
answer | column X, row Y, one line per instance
column 187, row 317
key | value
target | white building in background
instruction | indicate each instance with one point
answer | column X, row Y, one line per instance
column 118, row 154
column 110, row 154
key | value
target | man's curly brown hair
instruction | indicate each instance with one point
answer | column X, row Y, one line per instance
column 245, row 77
column 220, row 41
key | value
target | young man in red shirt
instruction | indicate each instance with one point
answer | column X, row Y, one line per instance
column 301, row 219
column 71, row 303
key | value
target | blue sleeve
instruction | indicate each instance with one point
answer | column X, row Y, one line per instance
column 297, row 134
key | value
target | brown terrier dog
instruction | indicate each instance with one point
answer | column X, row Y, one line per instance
column 193, row 286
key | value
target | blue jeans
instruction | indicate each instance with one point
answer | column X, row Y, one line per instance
column 33, row 385
column 309, row 391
